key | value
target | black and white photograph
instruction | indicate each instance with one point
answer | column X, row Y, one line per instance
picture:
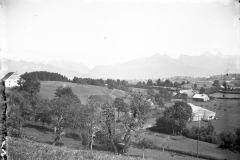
column 120, row 79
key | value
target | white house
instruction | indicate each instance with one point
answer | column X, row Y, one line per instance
column 11, row 79
column 200, row 97
column 189, row 92
column 201, row 113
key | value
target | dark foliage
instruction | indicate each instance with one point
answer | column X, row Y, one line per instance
column 174, row 118
column 206, row 134
column 44, row 76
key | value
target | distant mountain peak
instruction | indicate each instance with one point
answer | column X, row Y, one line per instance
column 156, row 55
column 207, row 54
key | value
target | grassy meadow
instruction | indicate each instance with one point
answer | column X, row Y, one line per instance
column 20, row 149
column 101, row 94
column 227, row 112
column 71, row 146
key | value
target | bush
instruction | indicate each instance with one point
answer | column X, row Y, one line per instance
column 162, row 126
column 206, row 134
column 177, row 137
column 225, row 109
column 147, row 143
column 85, row 139
column 226, row 140
column 156, row 113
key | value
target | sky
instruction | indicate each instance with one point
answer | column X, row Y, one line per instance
column 106, row 32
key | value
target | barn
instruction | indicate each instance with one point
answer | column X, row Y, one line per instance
column 201, row 113
column 200, row 97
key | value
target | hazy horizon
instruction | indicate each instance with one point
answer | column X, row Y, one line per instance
column 106, row 32
column 46, row 61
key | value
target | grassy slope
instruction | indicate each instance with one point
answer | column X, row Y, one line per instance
column 45, row 135
column 102, row 93
column 191, row 145
column 25, row 149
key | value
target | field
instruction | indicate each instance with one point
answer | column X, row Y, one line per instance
column 44, row 134
column 101, row 94
column 186, row 144
column 227, row 112
column 29, row 150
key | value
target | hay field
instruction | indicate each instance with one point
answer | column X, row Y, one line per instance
column 101, row 94
column 227, row 112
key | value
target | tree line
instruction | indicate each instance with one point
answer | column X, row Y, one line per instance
column 110, row 83
column 159, row 82
column 44, row 76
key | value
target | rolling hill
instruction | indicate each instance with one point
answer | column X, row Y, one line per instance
column 101, row 94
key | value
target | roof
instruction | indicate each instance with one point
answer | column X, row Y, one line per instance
column 199, row 110
column 7, row 76
column 199, row 96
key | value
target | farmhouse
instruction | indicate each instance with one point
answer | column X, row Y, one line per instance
column 200, row 97
column 201, row 113
column 11, row 79
column 189, row 92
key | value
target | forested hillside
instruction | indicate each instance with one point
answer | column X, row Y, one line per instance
column 44, row 76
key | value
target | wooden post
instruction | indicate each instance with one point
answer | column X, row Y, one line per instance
column 198, row 134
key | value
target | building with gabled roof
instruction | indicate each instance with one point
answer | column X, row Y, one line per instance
column 200, row 97
column 200, row 113
column 11, row 79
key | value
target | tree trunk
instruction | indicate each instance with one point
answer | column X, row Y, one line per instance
column 143, row 152
column 118, row 115
column 172, row 129
column 114, row 146
column 91, row 144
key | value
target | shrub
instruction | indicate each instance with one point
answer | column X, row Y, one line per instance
column 162, row 125
column 156, row 113
column 226, row 140
column 177, row 137
column 73, row 136
column 206, row 134
column 225, row 109
column 85, row 139
column 215, row 104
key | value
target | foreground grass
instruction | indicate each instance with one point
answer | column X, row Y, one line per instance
column 186, row 145
column 19, row 149
column 44, row 134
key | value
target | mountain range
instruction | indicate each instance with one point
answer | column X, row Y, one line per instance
column 155, row 66
column 21, row 67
